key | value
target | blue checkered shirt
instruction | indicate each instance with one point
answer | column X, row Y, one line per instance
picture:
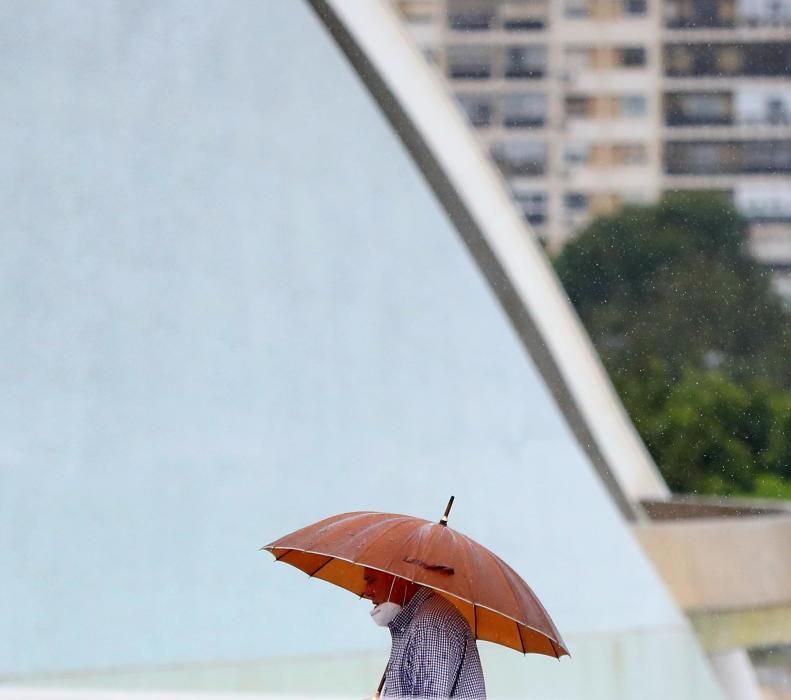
column 433, row 654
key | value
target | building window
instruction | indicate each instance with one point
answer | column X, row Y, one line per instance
column 695, row 158
column 575, row 201
column 701, row 14
column 525, row 16
column 533, row 206
column 576, row 8
column 751, row 59
column 632, row 105
column 520, row 157
column 634, row 7
column 766, row 156
column 692, row 109
column 471, row 15
column 766, row 13
column 730, row 60
column 631, row 56
column 477, row 107
column 576, row 153
column 469, row 62
column 525, row 61
column 579, row 106
column 777, row 111
column 770, row 59
column 679, row 60
column 526, row 109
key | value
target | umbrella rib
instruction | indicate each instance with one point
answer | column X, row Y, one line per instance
column 510, row 587
column 392, row 523
column 513, row 619
column 508, row 570
column 415, row 533
column 496, row 561
column 284, row 554
column 464, row 550
column 312, row 574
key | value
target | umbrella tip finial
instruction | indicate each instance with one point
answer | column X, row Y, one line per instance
column 444, row 519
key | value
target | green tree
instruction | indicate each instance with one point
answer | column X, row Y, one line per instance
column 710, row 434
column 777, row 456
column 675, row 280
column 694, row 338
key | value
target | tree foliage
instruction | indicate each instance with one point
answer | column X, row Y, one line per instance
column 694, row 339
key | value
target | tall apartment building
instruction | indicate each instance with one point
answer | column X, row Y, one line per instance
column 726, row 92
column 588, row 105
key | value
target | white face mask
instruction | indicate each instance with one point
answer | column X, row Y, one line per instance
column 384, row 613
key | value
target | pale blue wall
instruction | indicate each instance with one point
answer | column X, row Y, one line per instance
column 229, row 306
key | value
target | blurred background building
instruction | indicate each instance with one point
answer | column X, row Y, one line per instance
column 591, row 105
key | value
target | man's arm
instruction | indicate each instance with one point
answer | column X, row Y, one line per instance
column 434, row 659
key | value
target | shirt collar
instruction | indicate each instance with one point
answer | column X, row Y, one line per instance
column 404, row 617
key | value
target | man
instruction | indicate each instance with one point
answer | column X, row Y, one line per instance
column 433, row 653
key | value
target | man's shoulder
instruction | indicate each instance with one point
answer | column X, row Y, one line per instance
column 438, row 611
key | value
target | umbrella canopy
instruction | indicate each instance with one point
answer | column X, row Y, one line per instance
column 498, row 605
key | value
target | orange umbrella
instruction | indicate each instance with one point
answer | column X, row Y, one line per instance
column 498, row 605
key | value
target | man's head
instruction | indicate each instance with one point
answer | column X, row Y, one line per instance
column 381, row 587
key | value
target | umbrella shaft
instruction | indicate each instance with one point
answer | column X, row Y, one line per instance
column 381, row 685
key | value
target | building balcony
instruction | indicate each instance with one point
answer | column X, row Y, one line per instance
column 480, row 21
column 484, row 61
column 601, row 80
column 681, row 120
column 734, row 131
column 496, row 132
column 723, row 14
column 707, row 23
column 719, row 168
column 732, row 59
column 522, row 181
column 496, row 37
column 524, row 168
column 706, row 70
column 696, row 37
column 712, row 83
column 765, row 110
column 510, row 30
column 525, row 24
column 524, row 72
column 485, row 16
column 620, row 178
column 469, row 71
column 524, row 121
column 627, row 129
column 480, row 120
column 504, row 80
column 725, row 182
column 498, row 84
